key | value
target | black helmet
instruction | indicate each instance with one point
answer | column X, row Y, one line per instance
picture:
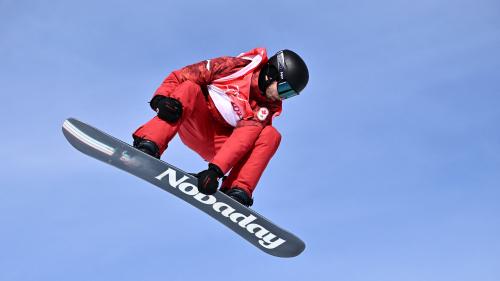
column 289, row 70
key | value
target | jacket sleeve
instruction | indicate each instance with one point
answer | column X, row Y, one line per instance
column 240, row 142
column 244, row 136
column 201, row 73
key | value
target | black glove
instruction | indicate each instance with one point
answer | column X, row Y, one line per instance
column 208, row 179
column 168, row 109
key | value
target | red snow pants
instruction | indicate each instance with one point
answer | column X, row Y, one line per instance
column 244, row 150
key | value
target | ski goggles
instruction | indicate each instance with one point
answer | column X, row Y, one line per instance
column 285, row 91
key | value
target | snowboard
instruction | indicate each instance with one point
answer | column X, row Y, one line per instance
column 244, row 221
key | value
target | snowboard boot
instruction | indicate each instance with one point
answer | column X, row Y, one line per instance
column 147, row 147
column 239, row 195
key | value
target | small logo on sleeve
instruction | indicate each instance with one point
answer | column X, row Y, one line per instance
column 262, row 113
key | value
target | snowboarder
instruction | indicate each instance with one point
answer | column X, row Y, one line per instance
column 222, row 109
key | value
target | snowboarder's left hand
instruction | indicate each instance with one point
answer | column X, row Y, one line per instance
column 208, row 180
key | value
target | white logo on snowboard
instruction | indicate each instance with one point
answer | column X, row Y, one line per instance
column 267, row 239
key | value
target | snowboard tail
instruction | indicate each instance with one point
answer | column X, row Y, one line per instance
column 244, row 221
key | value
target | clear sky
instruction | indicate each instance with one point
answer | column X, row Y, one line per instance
column 389, row 167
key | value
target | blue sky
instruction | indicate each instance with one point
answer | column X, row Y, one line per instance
column 389, row 167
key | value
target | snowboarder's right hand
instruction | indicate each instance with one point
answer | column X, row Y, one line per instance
column 168, row 109
column 208, row 180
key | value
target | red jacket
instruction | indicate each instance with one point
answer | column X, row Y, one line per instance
column 207, row 72
column 248, row 128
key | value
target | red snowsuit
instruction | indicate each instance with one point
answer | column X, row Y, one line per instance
column 244, row 147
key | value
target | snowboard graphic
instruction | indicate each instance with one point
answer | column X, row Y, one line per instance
column 247, row 223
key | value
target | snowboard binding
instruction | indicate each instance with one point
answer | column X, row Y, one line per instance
column 238, row 195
